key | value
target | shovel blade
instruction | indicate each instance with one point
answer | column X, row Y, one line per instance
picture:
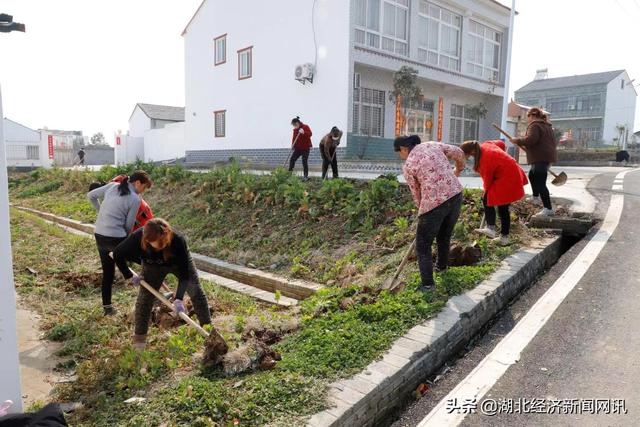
column 561, row 179
column 389, row 283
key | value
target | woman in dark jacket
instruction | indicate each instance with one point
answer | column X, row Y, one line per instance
column 301, row 145
column 541, row 148
column 162, row 252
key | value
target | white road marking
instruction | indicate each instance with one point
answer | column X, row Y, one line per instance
column 507, row 352
column 617, row 187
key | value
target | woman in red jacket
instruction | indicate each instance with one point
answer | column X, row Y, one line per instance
column 301, row 145
column 503, row 181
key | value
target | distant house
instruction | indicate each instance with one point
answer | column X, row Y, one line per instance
column 156, row 133
column 24, row 146
column 593, row 108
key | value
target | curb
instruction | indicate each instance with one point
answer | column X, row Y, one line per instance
column 291, row 288
column 369, row 397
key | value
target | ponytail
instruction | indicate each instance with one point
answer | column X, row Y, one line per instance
column 139, row 175
column 472, row 148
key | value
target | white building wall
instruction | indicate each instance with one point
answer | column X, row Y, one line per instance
column 17, row 139
column 139, row 123
column 259, row 109
column 167, row 143
column 620, row 107
column 131, row 148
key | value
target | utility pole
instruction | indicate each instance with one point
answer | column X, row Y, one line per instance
column 9, row 362
column 507, row 68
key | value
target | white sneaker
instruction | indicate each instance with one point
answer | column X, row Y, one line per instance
column 546, row 212
column 488, row 231
column 502, row 240
column 536, row 200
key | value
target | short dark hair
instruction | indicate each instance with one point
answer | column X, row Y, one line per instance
column 335, row 131
column 406, row 141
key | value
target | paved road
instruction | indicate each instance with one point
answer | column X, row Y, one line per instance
column 586, row 350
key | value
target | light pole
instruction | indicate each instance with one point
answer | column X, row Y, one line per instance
column 9, row 362
column 507, row 68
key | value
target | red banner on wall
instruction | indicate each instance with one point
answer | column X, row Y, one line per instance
column 117, row 140
column 50, row 145
column 440, row 118
column 398, row 117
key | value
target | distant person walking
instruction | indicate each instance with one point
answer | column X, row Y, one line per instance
column 301, row 145
column 116, row 219
column 328, row 147
column 503, row 181
column 81, row 155
column 437, row 193
column 540, row 145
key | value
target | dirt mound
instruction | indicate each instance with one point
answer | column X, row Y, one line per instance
column 73, row 280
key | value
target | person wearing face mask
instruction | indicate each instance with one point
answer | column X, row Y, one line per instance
column 162, row 251
column 301, row 145
column 503, row 181
column 328, row 147
column 117, row 204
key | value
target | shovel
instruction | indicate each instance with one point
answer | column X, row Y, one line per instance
column 558, row 179
column 392, row 282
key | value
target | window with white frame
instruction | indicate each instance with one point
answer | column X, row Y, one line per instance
column 439, row 36
column 220, row 50
column 463, row 125
column 383, row 24
column 245, row 63
column 483, row 58
column 220, row 119
column 368, row 112
column 592, row 134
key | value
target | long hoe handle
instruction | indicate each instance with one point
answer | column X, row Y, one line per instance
column 166, row 302
column 402, row 264
column 505, row 133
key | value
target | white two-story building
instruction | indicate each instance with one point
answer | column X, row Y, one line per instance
column 251, row 67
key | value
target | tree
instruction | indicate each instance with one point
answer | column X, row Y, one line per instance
column 406, row 90
column 98, row 139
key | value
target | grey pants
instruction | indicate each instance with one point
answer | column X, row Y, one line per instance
column 154, row 275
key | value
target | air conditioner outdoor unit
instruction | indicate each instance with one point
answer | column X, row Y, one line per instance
column 304, row 73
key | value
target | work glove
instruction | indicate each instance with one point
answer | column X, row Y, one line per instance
column 301, row 131
column 178, row 305
column 135, row 279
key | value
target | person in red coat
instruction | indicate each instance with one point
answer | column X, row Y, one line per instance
column 301, row 145
column 503, row 181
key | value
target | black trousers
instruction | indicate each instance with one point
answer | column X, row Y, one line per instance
column 154, row 275
column 436, row 224
column 332, row 160
column 538, row 180
column 305, row 160
column 105, row 245
column 505, row 216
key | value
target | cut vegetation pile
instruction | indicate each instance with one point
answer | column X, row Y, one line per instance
column 345, row 234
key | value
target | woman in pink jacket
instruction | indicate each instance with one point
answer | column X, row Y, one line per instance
column 437, row 193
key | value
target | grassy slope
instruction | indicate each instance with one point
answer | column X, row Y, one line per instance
column 332, row 342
